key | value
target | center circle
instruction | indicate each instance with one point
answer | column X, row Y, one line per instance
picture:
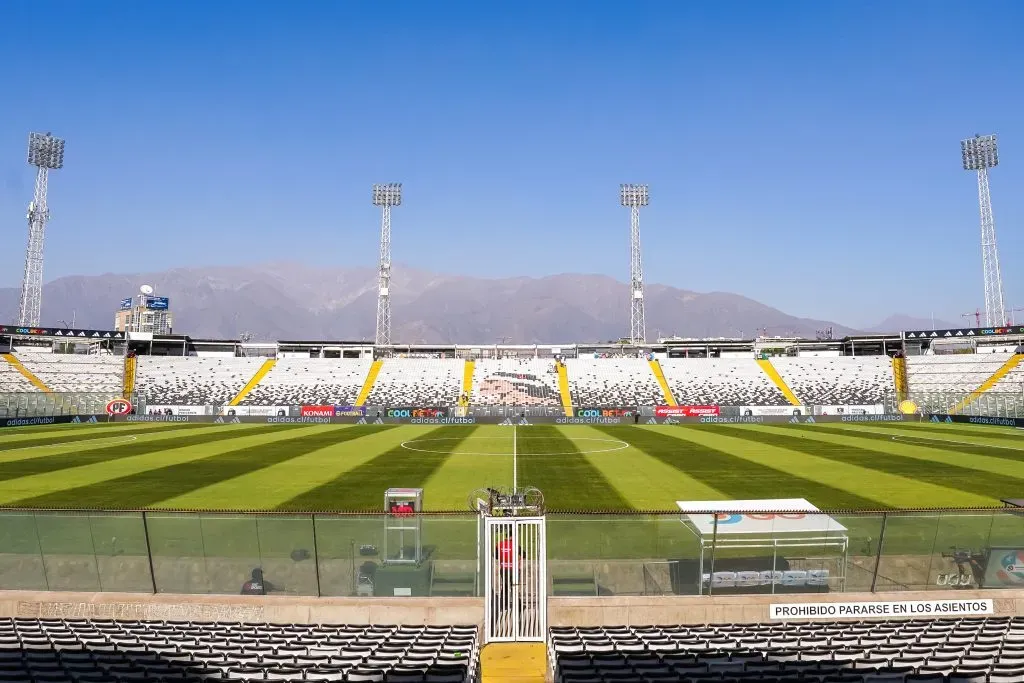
column 609, row 445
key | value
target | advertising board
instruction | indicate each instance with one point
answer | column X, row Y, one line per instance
column 1004, row 569
column 252, row 411
column 873, row 409
column 767, row 411
column 176, row 410
column 316, row 411
column 604, row 412
column 685, row 411
column 157, row 303
column 349, row 411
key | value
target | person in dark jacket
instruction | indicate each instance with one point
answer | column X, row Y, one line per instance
column 257, row 585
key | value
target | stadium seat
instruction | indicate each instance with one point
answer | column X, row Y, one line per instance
column 75, row 373
column 178, row 380
column 613, row 382
column 418, row 382
column 841, row 380
column 310, row 381
column 720, row 381
column 515, row 382
column 53, row 650
column 937, row 382
column 962, row 650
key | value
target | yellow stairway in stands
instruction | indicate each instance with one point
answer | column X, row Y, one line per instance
column 659, row 375
column 267, row 366
column 1009, row 365
column 371, row 379
column 128, row 378
column 26, row 373
column 513, row 663
column 775, row 377
column 467, row 382
column 563, row 389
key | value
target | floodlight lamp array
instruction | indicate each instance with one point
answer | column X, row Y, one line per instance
column 633, row 195
column 387, row 194
column 45, row 151
column 979, row 152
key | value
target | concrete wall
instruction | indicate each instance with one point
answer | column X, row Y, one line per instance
column 737, row 608
column 562, row 611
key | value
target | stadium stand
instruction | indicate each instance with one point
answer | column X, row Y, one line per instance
column 841, row 380
column 76, row 373
column 12, row 381
column 310, row 381
column 720, row 381
column 166, row 380
column 892, row 651
column 423, row 382
column 515, row 382
column 59, row 650
column 938, row 381
column 625, row 382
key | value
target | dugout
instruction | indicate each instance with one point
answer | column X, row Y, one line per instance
column 768, row 546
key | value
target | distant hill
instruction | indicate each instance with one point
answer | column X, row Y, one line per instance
column 900, row 322
column 295, row 302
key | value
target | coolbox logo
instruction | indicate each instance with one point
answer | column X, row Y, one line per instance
column 119, row 406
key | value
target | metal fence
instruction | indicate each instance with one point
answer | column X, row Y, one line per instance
column 36, row 403
column 588, row 555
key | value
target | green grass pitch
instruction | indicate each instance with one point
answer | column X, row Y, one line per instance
column 578, row 467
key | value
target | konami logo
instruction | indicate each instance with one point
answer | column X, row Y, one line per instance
column 317, row 411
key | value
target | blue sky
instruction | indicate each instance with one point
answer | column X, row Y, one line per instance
column 805, row 154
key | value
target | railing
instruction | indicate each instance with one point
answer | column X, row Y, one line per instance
column 588, row 554
column 35, row 404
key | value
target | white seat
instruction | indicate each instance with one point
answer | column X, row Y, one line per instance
column 311, row 381
column 418, row 382
column 613, row 382
column 188, row 380
column 515, row 382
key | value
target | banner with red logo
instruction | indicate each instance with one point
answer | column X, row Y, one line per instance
column 685, row 411
column 317, row 411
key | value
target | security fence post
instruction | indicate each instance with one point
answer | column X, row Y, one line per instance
column 149, row 550
column 878, row 553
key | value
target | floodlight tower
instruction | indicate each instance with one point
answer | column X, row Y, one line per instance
column 635, row 196
column 46, row 153
column 980, row 154
column 385, row 195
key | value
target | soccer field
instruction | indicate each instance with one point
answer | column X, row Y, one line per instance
column 348, row 467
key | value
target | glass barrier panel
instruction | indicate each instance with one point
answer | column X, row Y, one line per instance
column 122, row 553
column 864, row 533
column 231, row 549
column 287, row 554
column 177, row 548
column 21, row 557
column 908, row 548
column 1000, row 564
column 348, row 553
column 69, row 555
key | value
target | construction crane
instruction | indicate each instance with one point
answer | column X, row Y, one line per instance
column 1011, row 311
column 976, row 315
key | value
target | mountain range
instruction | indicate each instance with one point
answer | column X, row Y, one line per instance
column 286, row 301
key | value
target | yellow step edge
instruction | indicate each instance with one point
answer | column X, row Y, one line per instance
column 563, row 388
column 659, row 374
column 371, row 379
column 267, row 366
column 1004, row 370
column 899, row 378
column 513, row 663
column 26, row 373
column 775, row 377
column 467, row 382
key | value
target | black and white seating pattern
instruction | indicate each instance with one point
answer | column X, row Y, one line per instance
column 193, row 381
column 76, row 373
column 969, row 650
column 841, row 380
column 105, row 651
column 12, row 381
column 418, row 382
column 310, row 381
column 613, row 382
column 720, row 381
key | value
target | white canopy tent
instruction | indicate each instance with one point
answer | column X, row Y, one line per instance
column 780, row 523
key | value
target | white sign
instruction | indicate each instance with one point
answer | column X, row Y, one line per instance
column 766, row 517
column 254, row 411
column 902, row 609
column 175, row 410
column 766, row 411
column 874, row 409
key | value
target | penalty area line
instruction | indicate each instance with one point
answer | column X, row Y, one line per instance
column 911, row 439
column 120, row 439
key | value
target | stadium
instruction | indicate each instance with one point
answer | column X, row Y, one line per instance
column 776, row 509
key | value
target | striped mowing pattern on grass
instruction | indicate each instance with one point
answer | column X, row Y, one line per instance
column 578, row 467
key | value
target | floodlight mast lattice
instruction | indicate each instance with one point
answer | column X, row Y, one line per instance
column 46, row 153
column 635, row 196
column 385, row 195
column 981, row 153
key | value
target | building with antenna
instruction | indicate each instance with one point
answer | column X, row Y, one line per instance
column 144, row 312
